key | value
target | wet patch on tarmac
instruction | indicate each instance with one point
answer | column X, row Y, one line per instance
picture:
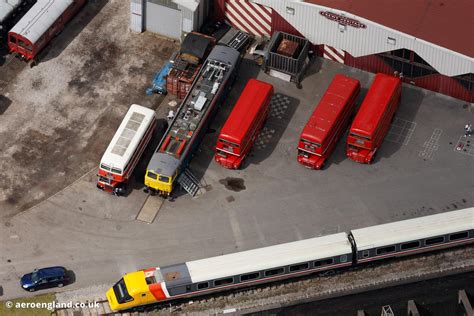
column 233, row 184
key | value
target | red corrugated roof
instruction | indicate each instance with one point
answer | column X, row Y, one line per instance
column 447, row 23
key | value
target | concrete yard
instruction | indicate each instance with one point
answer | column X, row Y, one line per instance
column 61, row 115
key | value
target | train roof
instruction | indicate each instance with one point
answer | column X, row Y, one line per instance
column 269, row 257
column 374, row 104
column 414, row 229
column 196, row 108
column 164, row 164
column 247, row 107
column 40, row 18
column 127, row 137
column 6, row 7
column 339, row 92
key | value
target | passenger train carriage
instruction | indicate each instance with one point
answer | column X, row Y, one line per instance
column 192, row 118
column 292, row 259
column 42, row 22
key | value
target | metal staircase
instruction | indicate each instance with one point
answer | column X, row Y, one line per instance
column 189, row 182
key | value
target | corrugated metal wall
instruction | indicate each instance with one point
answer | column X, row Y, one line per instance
column 136, row 15
column 163, row 20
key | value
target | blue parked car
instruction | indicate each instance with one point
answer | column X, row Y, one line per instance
column 44, row 278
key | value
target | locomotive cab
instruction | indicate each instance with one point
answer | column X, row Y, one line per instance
column 137, row 288
column 130, row 291
column 161, row 173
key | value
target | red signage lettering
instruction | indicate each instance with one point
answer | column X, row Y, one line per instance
column 342, row 19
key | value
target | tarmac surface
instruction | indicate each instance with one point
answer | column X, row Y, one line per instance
column 61, row 115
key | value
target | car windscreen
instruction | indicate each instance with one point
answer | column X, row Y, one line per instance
column 121, row 292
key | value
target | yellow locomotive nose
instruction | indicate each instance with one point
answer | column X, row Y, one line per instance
column 160, row 183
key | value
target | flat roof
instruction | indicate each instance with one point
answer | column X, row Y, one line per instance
column 269, row 257
column 441, row 22
column 414, row 229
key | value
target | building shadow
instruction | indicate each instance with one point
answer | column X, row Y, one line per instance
column 4, row 103
column 339, row 153
column 282, row 109
column 71, row 30
column 138, row 176
column 410, row 103
column 3, row 53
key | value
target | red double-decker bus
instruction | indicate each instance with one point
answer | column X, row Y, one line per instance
column 244, row 124
column 373, row 120
column 328, row 122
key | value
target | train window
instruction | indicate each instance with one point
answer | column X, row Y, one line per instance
column 274, row 272
column 433, row 241
column 458, row 236
column 164, row 179
column 13, row 39
column 299, row 267
column 410, row 245
column 324, row 262
column 383, row 250
column 365, row 253
column 152, row 175
column 223, row 281
column 203, row 285
column 250, row 276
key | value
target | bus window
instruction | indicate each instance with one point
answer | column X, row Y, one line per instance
column 105, row 167
column 221, row 153
column 116, row 170
column 360, row 136
column 228, row 143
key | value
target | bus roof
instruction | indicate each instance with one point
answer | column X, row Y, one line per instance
column 330, row 108
column 127, row 137
column 247, row 107
column 40, row 18
column 375, row 104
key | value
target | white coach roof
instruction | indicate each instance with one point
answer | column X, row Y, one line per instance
column 7, row 6
column 269, row 257
column 414, row 229
column 40, row 18
column 128, row 136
